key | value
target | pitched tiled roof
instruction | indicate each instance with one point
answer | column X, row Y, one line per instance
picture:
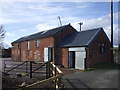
column 42, row 34
column 83, row 38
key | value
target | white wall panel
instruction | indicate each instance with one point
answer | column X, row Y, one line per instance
column 79, row 60
column 46, row 54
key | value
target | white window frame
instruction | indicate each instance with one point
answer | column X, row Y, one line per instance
column 28, row 45
column 37, row 43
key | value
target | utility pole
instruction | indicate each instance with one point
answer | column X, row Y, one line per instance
column 119, row 24
column 80, row 25
column 111, row 29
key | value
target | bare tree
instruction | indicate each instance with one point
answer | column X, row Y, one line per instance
column 2, row 35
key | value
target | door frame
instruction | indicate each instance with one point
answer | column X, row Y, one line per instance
column 71, row 59
column 49, row 50
column 78, row 49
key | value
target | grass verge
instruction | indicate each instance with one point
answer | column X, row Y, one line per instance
column 103, row 66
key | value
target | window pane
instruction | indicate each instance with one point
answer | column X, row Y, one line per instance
column 37, row 43
column 101, row 47
column 28, row 45
column 18, row 45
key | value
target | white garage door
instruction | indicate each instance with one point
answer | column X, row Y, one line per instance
column 79, row 60
column 80, row 55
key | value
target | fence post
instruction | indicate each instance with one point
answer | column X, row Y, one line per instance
column 26, row 66
column 59, row 82
column 46, row 70
column 49, row 69
column 30, row 69
column 56, row 79
column 4, row 65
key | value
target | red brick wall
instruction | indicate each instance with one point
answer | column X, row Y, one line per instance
column 33, row 53
column 93, row 55
column 59, row 51
column 67, row 30
column 45, row 42
column 15, row 52
column 65, row 57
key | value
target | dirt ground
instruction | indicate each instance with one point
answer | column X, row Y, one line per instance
column 12, row 82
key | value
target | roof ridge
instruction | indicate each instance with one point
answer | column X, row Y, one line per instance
column 81, row 39
column 42, row 33
column 45, row 31
column 94, row 36
column 91, row 29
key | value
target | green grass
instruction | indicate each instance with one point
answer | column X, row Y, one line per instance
column 91, row 69
column 103, row 66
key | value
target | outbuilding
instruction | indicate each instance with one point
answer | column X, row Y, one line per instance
column 64, row 46
column 87, row 48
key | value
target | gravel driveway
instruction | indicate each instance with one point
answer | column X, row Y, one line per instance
column 93, row 79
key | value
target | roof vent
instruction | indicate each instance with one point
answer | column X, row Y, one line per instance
column 44, row 32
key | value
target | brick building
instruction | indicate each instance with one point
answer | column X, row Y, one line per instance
column 64, row 46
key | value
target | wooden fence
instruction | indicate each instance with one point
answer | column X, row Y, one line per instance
column 26, row 67
column 53, row 78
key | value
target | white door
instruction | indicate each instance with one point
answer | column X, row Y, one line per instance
column 79, row 60
column 46, row 54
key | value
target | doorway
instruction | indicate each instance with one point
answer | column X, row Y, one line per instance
column 77, row 58
column 72, row 59
column 48, row 54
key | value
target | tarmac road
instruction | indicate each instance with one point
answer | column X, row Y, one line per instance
column 93, row 79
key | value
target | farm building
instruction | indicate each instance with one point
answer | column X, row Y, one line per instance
column 64, row 46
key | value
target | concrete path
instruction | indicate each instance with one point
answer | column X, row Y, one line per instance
column 92, row 79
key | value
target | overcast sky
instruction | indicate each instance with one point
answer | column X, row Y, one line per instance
column 25, row 18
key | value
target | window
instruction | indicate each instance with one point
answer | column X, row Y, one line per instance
column 101, row 48
column 19, row 45
column 28, row 45
column 37, row 43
